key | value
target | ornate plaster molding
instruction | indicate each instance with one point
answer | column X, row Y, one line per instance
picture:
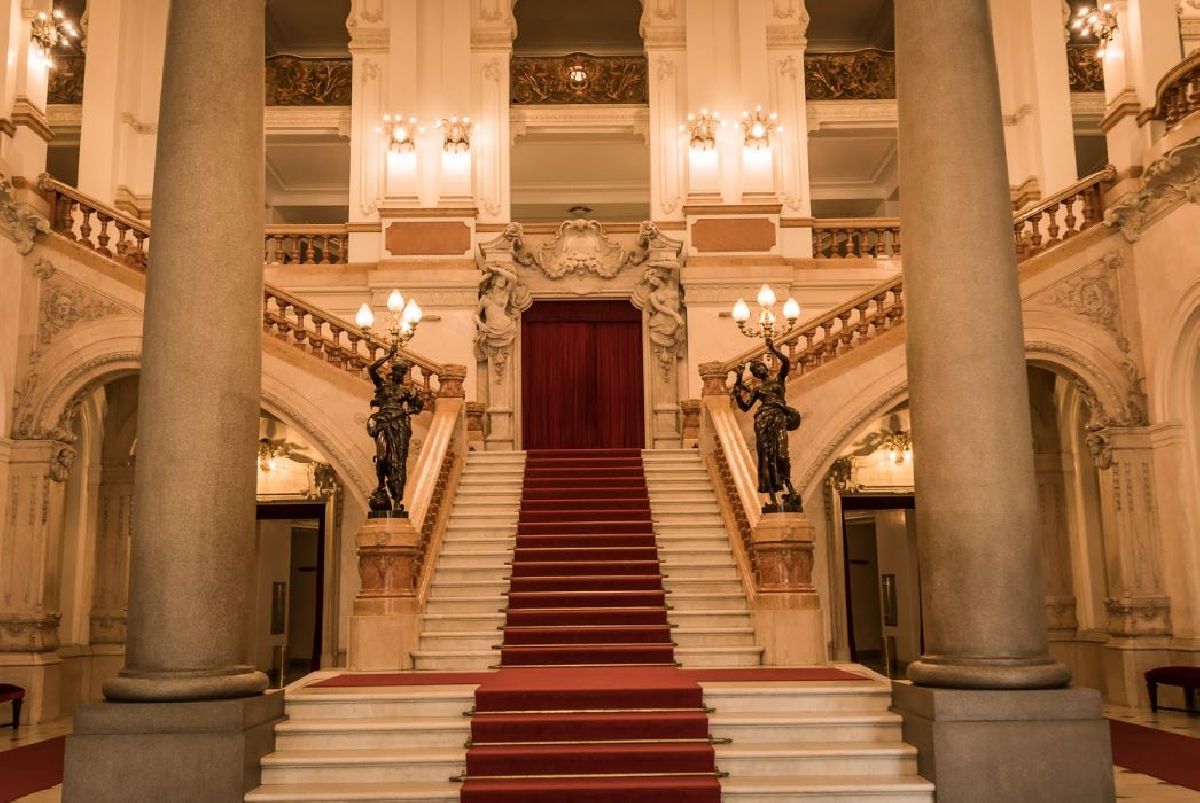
column 1088, row 293
column 18, row 219
column 1171, row 179
column 580, row 246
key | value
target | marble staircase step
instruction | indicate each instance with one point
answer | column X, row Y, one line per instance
column 380, row 703
column 716, row 656
column 841, row 696
column 443, row 792
column 820, row 727
column 847, row 788
column 834, row 758
column 427, row 765
column 452, row 622
column 311, row 734
column 455, row 660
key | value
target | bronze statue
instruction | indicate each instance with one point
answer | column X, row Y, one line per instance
column 395, row 402
column 773, row 420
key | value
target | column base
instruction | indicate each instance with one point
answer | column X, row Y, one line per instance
column 1030, row 745
column 133, row 686
column 183, row 752
column 989, row 673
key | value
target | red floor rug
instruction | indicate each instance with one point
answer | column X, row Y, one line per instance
column 588, row 705
column 1172, row 757
column 31, row 768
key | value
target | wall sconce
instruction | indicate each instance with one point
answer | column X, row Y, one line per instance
column 898, row 445
column 401, row 132
column 402, row 323
column 758, row 128
column 1099, row 22
column 268, row 452
column 768, row 320
column 702, row 129
column 48, row 31
column 457, row 133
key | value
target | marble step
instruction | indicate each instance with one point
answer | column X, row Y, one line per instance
column 461, row 622
column 688, row 638
column 471, row 523
column 430, row 765
column 677, row 570
column 679, row 585
column 449, row 589
column 380, row 703
column 481, row 604
column 457, row 660
column 696, row 602
column 715, row 656
column 473, row 574
column 743, row 699
column 821, row 727
column 366, row 733
column 444, row 792
column 454, row 558
column 691, row 530
column 848, row 788
column 692, row 507
column 435, row 641
column 782, row 758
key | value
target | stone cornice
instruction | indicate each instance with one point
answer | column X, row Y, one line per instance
column 1171, row 179
column 1123, row 105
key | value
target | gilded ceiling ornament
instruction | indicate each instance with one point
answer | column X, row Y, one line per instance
column 1085, row 71
column 66, row 79
column 295, row 81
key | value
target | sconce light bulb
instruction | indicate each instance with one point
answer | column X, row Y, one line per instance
column 791, row 310
column 364, row 317
column 395, row 301
column 412, row 313
column 741, row 311
column 766, row 296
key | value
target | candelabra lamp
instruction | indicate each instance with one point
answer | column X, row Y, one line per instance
column 774, row 418
column 1100, row 22
column 48, row 31
column 396, row 401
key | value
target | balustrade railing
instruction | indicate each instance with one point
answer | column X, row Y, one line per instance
column 843, row 239
column 812, row 344
column 115, row 235
column 111, row 234
column 305, row 244
column 1179, row 92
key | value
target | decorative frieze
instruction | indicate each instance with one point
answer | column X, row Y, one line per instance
column 1171, row 179
column 1138, row 616
column 858, row 75
column 579, row 78
column 66, row 79
column 1085, row 71
column 296, row 81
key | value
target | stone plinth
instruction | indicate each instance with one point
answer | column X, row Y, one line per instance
column 385, row 623
column 787, row 609
column 199, row 752
column 1006, row 745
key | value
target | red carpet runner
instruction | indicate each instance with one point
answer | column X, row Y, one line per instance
column 589, row 705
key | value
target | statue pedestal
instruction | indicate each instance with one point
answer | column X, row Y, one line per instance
column 386, row 620
column 787, row 609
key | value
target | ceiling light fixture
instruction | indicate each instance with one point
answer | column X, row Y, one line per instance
column 1100, row 23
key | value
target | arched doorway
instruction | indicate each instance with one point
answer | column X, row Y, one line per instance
column 582, row 375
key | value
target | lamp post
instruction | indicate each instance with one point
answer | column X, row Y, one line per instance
column 396, row 401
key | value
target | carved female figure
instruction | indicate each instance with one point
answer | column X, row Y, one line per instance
column 663, row 303
column 499, row 296
column 395, row 402
column 772, row 422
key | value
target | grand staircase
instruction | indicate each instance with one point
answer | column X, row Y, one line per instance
column 587, row 639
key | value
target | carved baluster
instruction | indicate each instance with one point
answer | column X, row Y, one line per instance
column 1069, row 219
column 139, row 251
column 847, row 333
column 1019, row 239
column 354, row 360
column 897, row 308
column 266, row 312
column 1051, row 227
column 301, row 332
column 333, row 344
column 863, row 324
column 102, row 237
column 317, row 336
column 1092, row 210
column 85, row 226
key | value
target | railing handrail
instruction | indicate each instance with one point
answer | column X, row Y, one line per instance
column 856, row 222
column 728, row 460
column 47, row 183
column 824, row 322
column 1190, row 63
column 306, row 228
column 439, row 464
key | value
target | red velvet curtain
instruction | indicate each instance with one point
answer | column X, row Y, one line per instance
column 581, row 375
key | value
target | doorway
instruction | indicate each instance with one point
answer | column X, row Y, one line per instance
column 581, row 375
column 882, row 581
column 289, row 589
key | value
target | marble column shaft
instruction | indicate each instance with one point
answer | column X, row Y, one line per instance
column 975, row 493
column 200, row 384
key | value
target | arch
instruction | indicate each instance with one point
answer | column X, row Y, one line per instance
column 1172, row 369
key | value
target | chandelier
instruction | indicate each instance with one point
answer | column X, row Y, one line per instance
column 48, row 31
column 702, row 129
column 1100, row 23
column 758, row 128
column 400, row 132
column 898, row 445
column 768, row 320
column 401, row 323
column 268, row 453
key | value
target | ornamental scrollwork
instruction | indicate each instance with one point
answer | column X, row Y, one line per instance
column 859, row 75
column 66, row 79
column 295, row 81
column 579, row 78
column 1085, row 72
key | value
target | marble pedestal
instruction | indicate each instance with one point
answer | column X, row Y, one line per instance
column 787, row 609
column 201, row 752
column 1043, row 745
column 385, row 624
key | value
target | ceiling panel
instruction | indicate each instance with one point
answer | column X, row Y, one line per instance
column 308, row 27
column 555, row 26
column 850, row 24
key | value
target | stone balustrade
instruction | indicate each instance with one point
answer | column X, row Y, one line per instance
column 1179, row 92
column 306, row 244
column 1051, row 222
column 850, row 237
